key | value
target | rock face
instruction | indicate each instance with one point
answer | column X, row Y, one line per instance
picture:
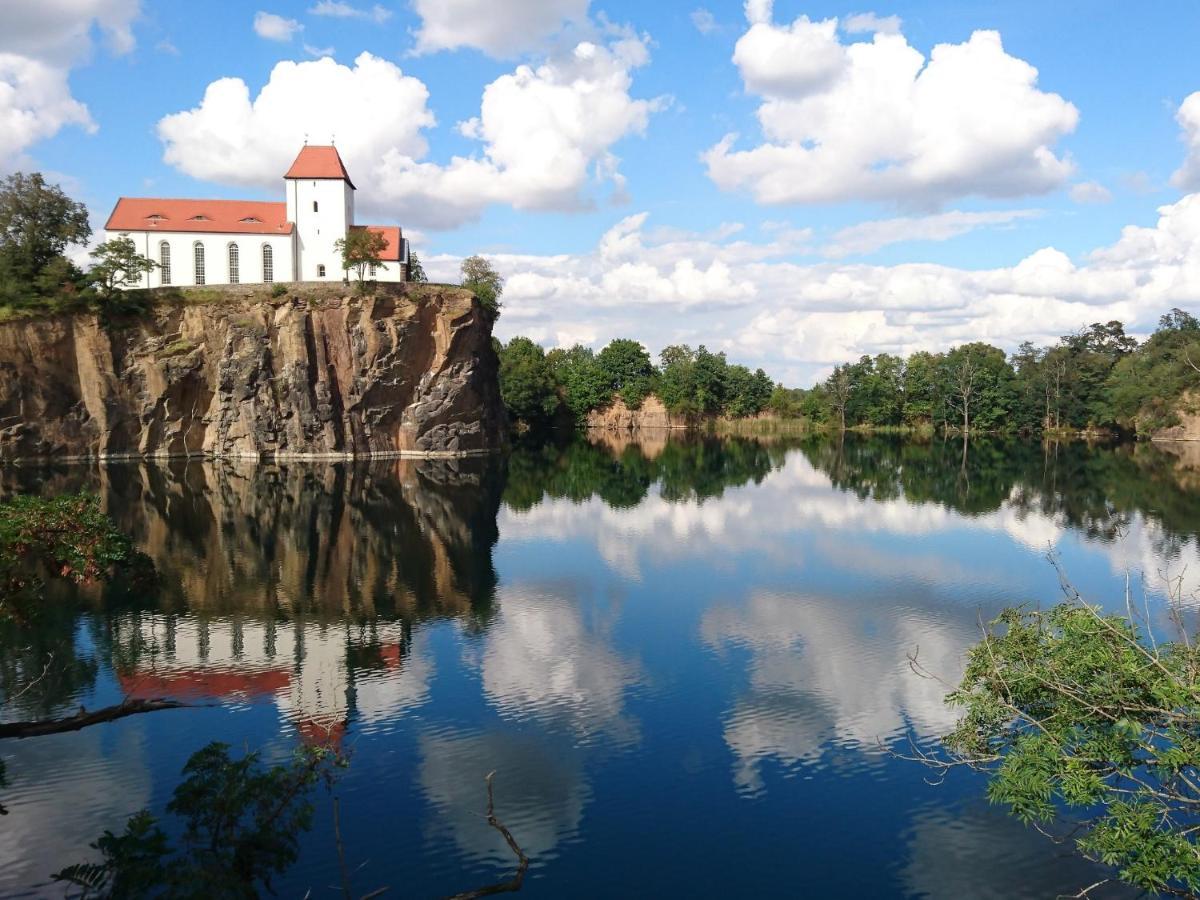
column 1188, row 413
column 619, row 417
column 407, row 371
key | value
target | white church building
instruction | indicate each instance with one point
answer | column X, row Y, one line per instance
column 255, row 242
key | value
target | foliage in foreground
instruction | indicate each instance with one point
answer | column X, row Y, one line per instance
column 1076, row 714
column 241, row 822
column 67, row 536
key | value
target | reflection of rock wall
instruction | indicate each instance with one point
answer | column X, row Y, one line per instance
column 408, row 537
column 411, row 372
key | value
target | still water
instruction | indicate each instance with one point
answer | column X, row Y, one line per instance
column 681, row 658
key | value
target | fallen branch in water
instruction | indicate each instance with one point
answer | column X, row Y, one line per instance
column 512, row 884
column 83, row 718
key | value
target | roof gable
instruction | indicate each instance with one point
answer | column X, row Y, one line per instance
column 319, row 162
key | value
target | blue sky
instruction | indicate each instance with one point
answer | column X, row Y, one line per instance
column 774, row 248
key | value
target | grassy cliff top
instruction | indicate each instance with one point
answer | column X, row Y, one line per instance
column 144, row 299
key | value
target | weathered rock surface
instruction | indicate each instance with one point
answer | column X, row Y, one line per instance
column 410, row 370
column 619, row 417
column 1188, row 414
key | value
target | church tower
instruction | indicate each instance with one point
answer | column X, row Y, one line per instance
column 320, row 201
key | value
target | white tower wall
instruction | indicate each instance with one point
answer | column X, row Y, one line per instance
column 323, row 210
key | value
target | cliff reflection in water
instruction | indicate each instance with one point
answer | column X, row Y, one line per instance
column 296, row 582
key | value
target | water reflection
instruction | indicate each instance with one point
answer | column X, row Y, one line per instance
column 826, row 674
column 445, row 620
column 542, row 660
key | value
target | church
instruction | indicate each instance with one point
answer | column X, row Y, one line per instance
column 255, row 242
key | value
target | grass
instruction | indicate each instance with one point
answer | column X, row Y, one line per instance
column 139, row 301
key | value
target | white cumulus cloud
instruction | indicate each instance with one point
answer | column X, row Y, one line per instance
column 275, row 28
column 372, row 108
column 40, row 42
column 546, row 132
column 503, row 31
column 1187, row 176
column 751, row 299
column 876, row 120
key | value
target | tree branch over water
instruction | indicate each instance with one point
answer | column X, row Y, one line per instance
column 83, row 718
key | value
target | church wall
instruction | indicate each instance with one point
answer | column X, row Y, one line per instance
column 216, row 256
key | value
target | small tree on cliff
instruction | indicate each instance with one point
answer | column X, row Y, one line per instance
column 416, row 271
column 481, row 278
column 117, row 265
column 360, row 249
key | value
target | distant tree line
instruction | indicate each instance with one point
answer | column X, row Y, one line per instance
column 539, row 387
column 1097, row 378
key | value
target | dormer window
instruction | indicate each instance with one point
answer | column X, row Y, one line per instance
column 252, row 220
column 199, row 218
column 155, row 217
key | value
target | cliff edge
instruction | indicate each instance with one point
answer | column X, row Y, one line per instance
column 408, row 370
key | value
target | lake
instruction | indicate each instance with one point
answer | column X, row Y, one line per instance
column 683, row 658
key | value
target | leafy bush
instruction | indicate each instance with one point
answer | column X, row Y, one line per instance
column 1073, row 710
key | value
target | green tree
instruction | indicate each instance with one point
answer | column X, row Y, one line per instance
column 582, row 383
column 1145, row 390
column 978, row 385
column 416, row 271
column 37, row 224
column 527, row 383
column 481, row 278
column 711, row 381
column 361, row 249
column 627, row 370
column 118, row 265
column 1069, row 709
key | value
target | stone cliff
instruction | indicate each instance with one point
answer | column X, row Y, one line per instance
column 409, row 370
column 618, row 417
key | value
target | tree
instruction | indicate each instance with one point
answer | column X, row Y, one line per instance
column 1072, row 709
column 627, row 370
column 118, row 265
column 37, row 224
column 526, row 382
column 416, row 271
column 580, row 380
column 360, row 249
column 838, row 388
column 481, row 278
column 979, row 384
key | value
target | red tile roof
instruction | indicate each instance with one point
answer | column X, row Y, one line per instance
column 319, row 162
column 201, row 216
column 393, row 236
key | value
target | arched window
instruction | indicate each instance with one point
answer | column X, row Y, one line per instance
column 321, row 271
column 164, row 261
column 198, row 253
column 234, row 269
column 268, row 264
column 314, row 206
